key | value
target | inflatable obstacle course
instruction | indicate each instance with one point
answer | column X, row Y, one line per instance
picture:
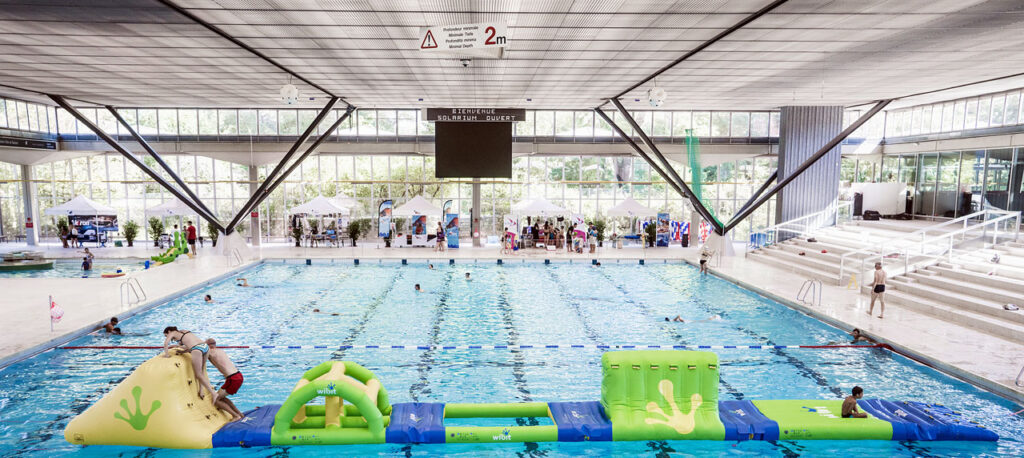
column 645, row 395
column 178, row 247
column 157, row 405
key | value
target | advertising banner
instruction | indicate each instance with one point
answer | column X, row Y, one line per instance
column 384, row 219
column 90, row 228
column 663, row 229
column 446, row 208
column 419, row 230
column 451, row 229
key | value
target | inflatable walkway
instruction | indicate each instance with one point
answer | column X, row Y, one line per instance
column 178, row 248
column 645, row 395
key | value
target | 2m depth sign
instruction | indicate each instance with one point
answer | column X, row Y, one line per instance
column 484, row 40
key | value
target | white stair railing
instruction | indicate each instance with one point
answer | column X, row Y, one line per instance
column 801, row 227
column 917, row 244
column 235, row 258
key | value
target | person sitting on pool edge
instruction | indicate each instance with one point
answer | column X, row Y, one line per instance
column 232, row 380
column 197, row 348
column 850, row 404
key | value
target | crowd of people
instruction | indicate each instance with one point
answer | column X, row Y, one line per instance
column 574, row 237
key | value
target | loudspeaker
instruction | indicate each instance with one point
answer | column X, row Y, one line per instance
column 858, row 204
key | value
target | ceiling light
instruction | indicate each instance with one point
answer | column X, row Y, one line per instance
column 289, row 94
column 656, row 96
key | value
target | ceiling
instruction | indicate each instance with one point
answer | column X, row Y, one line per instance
column 561, row 54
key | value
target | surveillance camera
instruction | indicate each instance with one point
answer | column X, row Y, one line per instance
column 465, row 62
column 656, row 96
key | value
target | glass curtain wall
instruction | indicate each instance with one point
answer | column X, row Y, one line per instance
column 953, row 183
column 12, row 209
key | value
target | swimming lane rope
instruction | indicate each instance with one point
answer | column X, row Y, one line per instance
column 487, row 347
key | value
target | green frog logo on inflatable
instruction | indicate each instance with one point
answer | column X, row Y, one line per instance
column 137, row 419
column 682, row 423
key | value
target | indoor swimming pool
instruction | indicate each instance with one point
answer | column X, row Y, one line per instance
column 375, row 304
column 63, row 268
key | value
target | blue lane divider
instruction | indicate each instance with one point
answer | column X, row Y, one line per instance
column 489, row 347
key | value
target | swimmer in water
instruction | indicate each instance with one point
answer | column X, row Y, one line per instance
column 208, row 299
column 431, row 266
column 677, row 319
column 467, row 276
column 418, row 290
column 244, row 283
column 111, row 326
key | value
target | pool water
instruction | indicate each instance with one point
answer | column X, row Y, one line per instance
column 513, row 304
column 73, row 269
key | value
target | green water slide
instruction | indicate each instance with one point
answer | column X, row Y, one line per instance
column 178, row 248
column 661, row 395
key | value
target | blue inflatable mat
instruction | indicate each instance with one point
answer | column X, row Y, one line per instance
column 581, row 421
column 251, row 431
column 743, row 421
column 416, row 422
column 925, row 422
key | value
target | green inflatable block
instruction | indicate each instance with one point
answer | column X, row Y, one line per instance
column 817, row 419
column 661, row 395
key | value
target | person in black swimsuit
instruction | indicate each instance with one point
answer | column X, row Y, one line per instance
column 878, row 290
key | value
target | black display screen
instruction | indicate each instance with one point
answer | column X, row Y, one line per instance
column 473, row 149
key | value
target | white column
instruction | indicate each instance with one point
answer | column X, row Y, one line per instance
column 28, row 191
column 254, row 221
column 475, row 214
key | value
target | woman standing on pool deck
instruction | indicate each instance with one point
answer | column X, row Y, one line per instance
column 197, row 348
column 440, row 237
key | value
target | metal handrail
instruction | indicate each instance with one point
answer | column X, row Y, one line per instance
column 131, row 286
column 810, row 289
column 1019, row 381
column 235, row 258
column 906, row 246
column 771, row 232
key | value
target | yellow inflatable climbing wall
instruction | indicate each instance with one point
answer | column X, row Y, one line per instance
column 156, row 406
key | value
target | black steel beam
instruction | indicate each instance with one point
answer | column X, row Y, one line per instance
column 159, row 160
column 261, row 196
column 673, row 175
column 807, row 163
column 775, row 176
column 642, row 153
column 704, row 45
column 240, row 44
column 59, row 100
column 280, row 165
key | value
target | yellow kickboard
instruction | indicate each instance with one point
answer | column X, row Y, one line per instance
column 157, row 405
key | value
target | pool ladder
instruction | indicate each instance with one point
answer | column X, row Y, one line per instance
column 235, row 258
column 810, row 292
column 1019, row 381
column 132, row 292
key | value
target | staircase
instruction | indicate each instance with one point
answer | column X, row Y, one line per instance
column 969, row 291
column 946, row 270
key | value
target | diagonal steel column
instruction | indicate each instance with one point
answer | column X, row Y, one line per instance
column 775, row 176
column 134, row 160
column 807, row 163
column 159, row 160
column 280, row 165
column 642, row 153
column 697, row 204
column 258, row 197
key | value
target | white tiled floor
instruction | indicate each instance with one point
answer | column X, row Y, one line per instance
column 983, row 359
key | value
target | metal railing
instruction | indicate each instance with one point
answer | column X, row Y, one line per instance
column 132, row 292
column 832, row 215
column 1019, row 381
column 235, row 258
column 810, row 292
column 928, row 250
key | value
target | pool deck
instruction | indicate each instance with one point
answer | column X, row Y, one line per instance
column 979, row 358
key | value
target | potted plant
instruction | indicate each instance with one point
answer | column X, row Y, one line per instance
column 297, row 235
column 212, row 232
column 63, row 229
column 156, row 228
column 356, row 228
column 652, row 232
column 131, row 230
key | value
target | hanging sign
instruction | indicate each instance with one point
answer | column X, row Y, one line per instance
column 476, row 114
column 484, row 39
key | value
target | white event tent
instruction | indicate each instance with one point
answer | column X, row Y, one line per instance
column 631, row 208
column 82, row 206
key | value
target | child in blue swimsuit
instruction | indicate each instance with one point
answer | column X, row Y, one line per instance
column 197, row 348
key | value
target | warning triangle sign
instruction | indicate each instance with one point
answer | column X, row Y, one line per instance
column 428, row 41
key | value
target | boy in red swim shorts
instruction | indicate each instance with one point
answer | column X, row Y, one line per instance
column 232, row 379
